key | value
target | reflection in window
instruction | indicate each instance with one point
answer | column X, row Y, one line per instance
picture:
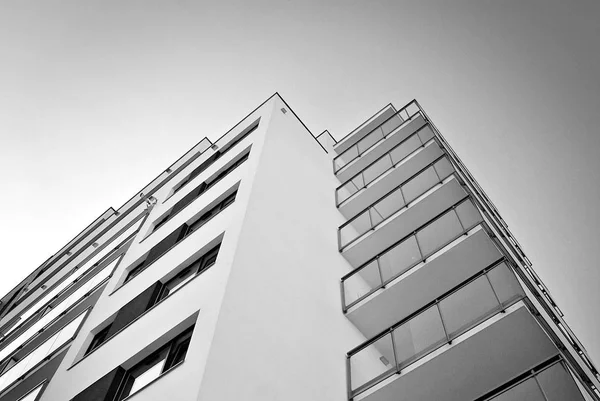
column 34, row 394
column 190, row 272
column 155, row 365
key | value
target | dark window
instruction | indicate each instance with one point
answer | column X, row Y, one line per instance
column 98, row 339
column 244, row 135
column 155, row 365
column 214, row 158
column 135, row 271
column 161, row 222
column 210, row 214
column 179, row 234
column 197, row 267
column 181, row 185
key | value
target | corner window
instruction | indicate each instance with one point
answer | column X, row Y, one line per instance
column 155, row 365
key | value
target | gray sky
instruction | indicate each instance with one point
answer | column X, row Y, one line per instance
column 96, row 98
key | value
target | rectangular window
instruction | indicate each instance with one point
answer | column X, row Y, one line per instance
column 215, row 157
column 135, row 271
column 210, row 214
column 197, row 267
column 161, row 222
column 199, row 190
column 33, row 394
column 98, row 339
column 177, row 236
column 152, row 367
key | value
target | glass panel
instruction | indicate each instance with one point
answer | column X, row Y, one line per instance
column 406, row 148
column 425, row 133
column 526, row 391
column 37, row 355
column 444, row 168
column 350, row 188
column 468, row 214
column 33, row 394
column 67, row 332
column 374, row 361
column 144, row 377
column 466, row 307
column 346, row 157
column 40, row 352
column 391, row 124
column 419, row 336
column 420, row 184
column 558, row 385
column 439, row 233
column 387, row 206
column 362, row 282
column 178, row 281
column 376, row 169
column 370, row 140
column 505, row 284
column 400, row 258
column 360, row 225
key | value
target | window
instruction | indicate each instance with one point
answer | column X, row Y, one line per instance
column 197, row 267
column 210, row 214
column 155, row 365
column 215, row 157
column 135, row 271
column 199, row 190
column 161, row 222
column 98, row 339
column 33, row 394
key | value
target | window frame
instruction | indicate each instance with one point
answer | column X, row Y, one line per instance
column 195, row 268
column 170, row 350
column 95, row 343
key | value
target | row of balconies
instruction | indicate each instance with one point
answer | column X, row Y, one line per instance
column 432, row 288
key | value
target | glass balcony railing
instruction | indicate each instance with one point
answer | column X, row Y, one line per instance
column 397, row 121
column 382, row 165
column 409, row 252
column 402, row 197
column 437, row 324
column 553, row 379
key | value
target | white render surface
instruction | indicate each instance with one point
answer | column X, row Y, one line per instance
column 268, row 319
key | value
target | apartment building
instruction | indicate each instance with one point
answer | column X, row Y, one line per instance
column 272, row 264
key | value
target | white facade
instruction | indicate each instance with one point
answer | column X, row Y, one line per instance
column 436, row 300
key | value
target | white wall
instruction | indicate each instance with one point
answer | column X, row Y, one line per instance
column 281, row 333
column 202, row 295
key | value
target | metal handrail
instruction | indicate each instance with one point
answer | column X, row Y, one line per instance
column 405, row 206
column 514, row 248
column 392, row 165
column 448, row 337
column 409, row 117
column 423, row 256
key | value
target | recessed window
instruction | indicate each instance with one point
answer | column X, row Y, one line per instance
column 33, row 394
column 135, row 271
column 189, row 272
column 215, row 157
column 98, row 339
column 161, row 222
column 210, row 214
column 152, row 367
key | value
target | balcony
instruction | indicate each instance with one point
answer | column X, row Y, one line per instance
column 380, row 177
column 362, row 130
column 471, row 340
column 400, row 212
column 554, row 380
column 380, row 140
column 421, row 267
